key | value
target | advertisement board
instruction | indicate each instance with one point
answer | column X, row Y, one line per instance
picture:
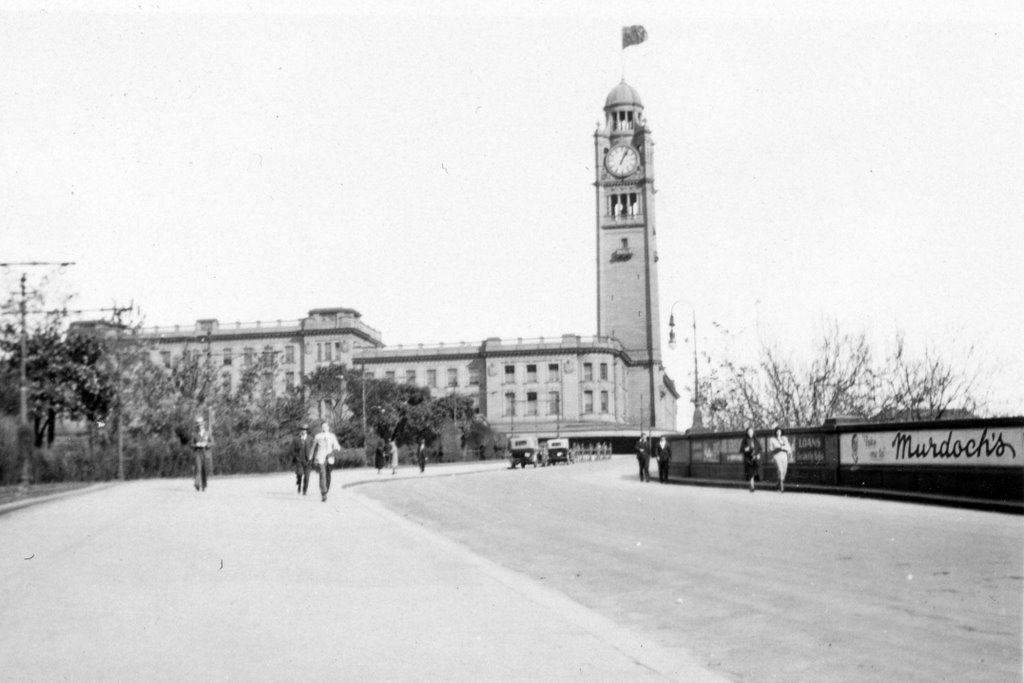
column 983, row 446
column 720, row 450
column 808, row 449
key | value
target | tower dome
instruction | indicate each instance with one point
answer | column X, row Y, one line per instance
column 623, row 95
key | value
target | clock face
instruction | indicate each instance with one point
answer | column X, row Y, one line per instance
column 622, row 160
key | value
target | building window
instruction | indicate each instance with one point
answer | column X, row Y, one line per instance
column 289, row 379
column 410, row 377
column 553, row 372
column 327, row 352
column 588, row 401
column 389, row 375
column 510, row 374
column 531, row 402
column 510, row 403
column 453, row 377
column 588, row 372
column 431, row 378
column 531, row 373
column 248, row 354
column 604, row 401
column 289, row 354
column 623, row 204
column 337, row 350
column 227, row 356
column 319, row 352
column 225, row 382
column 165, row 358
column 604, row 371
column 268, row 354
column 554, row 403
column 474, row 377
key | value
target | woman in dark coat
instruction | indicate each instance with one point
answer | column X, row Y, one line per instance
column 378, row 458
column 751, row 451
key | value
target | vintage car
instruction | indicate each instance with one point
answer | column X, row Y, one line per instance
column 557, row 451
column 524, row 450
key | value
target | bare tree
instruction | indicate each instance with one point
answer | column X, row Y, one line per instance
column 842, row 377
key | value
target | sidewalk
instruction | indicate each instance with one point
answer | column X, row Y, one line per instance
column 250, row 581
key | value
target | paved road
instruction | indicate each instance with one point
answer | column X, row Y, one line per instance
column 758, row 587
column 248, row 581
column 569, row 573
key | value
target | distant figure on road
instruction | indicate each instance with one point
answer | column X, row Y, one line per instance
column 302, row 449
column 421, row 455
column 751, row 451
column 661, row 454
column 393, row 451
column 781, row 452
column 643, row 457
column 378, row 457
column 325, row 445
column 201, row 441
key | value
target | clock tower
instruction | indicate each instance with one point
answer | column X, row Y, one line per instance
column 627, row 271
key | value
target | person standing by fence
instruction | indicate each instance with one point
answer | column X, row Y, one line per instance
column 781, row 451
column 201, row 442
column 662, row 453
column 643, row 457
column 751, row 451
column 325, row 445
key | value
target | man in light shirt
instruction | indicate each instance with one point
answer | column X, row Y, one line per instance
column 325, row 445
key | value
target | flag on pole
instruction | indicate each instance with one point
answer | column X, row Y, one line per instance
column 633, row 35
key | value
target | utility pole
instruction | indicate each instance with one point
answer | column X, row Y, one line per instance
column 118, row 311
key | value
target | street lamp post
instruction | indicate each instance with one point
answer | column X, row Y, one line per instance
column 698, row 420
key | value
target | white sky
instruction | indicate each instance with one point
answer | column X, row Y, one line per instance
column 432, row 168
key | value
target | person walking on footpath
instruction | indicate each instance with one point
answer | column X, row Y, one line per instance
column 201, row 442
column 751, row 451
column 393, row 451
column 378, row 457
column 421, row 455
column 302, row 450
column 325, row 445
column 781, row 451
column 643, row 457
column 661, row 454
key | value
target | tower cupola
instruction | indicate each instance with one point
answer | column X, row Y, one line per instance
column 623, row 109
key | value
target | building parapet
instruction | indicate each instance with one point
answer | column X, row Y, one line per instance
column 490, row 347
column 339, row 319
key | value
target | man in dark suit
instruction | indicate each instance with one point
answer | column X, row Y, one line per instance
column 662, row 455
column 302, row 449
column 643, row 457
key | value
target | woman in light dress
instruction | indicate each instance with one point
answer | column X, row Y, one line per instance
column 781, row 452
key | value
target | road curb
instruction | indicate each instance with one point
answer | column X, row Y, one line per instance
column 1005, row 507
column 34, row 500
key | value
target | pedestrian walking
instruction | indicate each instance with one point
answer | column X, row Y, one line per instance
column 421, row 455
column 643, row 457
column 201, row 442
column 393, row 450
column 781, row 451
column 302, row 450
column 662, row 454
column 751, row 451
column 378, row 457
column 325, row 445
